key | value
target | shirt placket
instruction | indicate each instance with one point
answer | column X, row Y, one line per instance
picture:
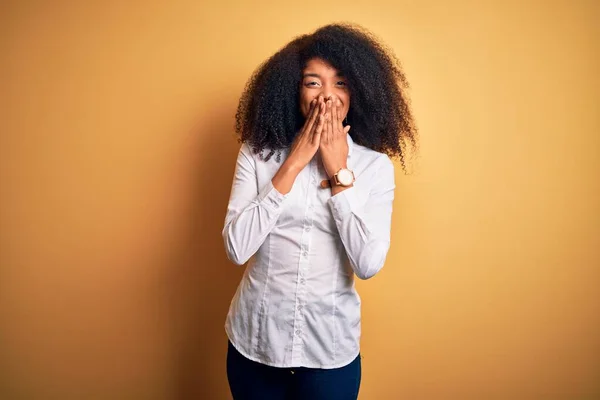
column 304, row 265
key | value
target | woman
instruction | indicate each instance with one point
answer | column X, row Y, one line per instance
column 330, row 107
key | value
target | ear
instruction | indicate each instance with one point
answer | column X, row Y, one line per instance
column 346, row 128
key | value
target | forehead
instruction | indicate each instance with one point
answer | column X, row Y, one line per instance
column 321, row 67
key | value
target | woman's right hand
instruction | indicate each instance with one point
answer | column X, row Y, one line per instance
column 306, row 143
column 303, row 148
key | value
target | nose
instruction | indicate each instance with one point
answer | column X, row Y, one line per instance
column 327, row 93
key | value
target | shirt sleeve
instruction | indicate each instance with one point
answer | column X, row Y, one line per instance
column 251, row 212
column 364, row 220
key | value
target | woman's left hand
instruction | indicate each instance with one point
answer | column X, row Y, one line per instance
column 334, row 145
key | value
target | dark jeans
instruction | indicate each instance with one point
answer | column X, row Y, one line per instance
column 250, row 380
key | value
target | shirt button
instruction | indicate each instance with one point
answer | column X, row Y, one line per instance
column 307, row 228
column 298, row 332
column 300, row 307
column 303, row 281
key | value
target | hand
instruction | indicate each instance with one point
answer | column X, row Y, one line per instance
column 334, row 144
column 306, row 143
column 303, row 148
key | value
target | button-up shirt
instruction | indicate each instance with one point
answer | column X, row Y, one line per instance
column 296, row 304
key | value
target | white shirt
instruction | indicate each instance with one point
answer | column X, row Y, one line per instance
column 296, row 304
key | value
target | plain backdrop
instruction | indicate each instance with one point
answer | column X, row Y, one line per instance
column 117, row 151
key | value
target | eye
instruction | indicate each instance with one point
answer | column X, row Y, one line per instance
column 312, row 83
column 341, row 83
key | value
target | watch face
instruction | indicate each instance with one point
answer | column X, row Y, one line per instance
column 345, row 176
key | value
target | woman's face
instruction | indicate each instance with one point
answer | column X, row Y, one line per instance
column 320, row 79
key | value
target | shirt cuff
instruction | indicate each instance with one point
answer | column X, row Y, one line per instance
column 270, row 197
column 346, row 202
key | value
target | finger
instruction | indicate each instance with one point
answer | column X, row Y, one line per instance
column 331, row 122
column 322, row 106
column 311, row 113
column 312, row 106
column 312, row 116
column 327, row 127
column 318, row 111
column 316, row 138
column 336, row 125
column 320, row 121
column 334, row 116
column 318, row 128
column 340, row 116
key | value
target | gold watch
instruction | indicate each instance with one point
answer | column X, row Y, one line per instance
column 344, row 177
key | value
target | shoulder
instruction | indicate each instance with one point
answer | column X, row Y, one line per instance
column 246, row 152
column 266, row 156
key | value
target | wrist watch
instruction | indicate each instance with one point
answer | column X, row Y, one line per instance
column 344, row 177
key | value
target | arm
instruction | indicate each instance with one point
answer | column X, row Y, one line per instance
column 364, row 221
column 251, row 213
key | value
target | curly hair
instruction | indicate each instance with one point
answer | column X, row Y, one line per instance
column 268, row 114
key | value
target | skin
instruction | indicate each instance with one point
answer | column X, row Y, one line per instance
column 324, row 102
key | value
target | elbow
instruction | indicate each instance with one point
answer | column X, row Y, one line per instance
column 234, row 258
column 364, row 277
column 372, row 262
column 233, row 255
column 368, row 272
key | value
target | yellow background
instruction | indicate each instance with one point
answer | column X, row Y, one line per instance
column 116, row 157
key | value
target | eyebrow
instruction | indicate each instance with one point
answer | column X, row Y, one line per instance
column 319, row 76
